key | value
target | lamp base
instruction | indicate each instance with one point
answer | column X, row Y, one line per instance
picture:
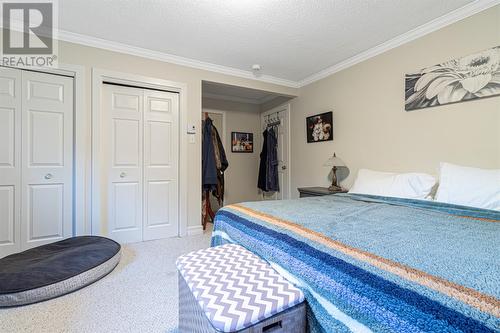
column 334, row 188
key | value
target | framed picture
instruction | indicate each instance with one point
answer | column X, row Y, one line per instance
column 241, row 142
column 320, row 127
column 462, row 79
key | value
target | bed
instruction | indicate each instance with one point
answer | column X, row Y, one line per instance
column 378, row 264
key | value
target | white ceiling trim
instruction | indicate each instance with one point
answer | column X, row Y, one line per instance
column 436, row 24
column 450, row 18
column 170, row 58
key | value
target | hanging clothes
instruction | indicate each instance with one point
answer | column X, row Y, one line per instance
column 268, row 180
column 261, row 181
column 221, row 164
column 208, row 163
column 213, row 165
column 272, row 179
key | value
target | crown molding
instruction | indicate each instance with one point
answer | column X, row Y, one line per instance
column 436, row 24
column 170, row 58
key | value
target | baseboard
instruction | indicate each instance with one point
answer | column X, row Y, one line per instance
column 195, row 230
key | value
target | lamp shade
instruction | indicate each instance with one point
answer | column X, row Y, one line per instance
column 334, row 161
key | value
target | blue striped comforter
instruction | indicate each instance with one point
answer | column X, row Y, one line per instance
column 375, row 264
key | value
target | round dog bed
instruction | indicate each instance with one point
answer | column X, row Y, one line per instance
column 55, row 269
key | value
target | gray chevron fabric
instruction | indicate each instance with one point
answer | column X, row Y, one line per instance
column 235, row 288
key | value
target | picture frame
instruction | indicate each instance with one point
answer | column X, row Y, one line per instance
column 241, row 142
column 455, row 81
column 319, row 128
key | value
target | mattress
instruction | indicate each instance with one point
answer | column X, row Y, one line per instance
column 375, row 264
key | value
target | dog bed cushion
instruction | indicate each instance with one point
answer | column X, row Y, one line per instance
column 55, row 269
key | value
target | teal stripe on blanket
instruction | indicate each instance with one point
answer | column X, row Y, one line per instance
column 378, row 318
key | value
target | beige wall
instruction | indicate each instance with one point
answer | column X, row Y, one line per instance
column 90, row 57
column 371, row 127
column 241, row 176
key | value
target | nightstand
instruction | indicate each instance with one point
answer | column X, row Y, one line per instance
column 316, row 191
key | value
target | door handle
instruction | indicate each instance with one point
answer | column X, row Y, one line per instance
column 48, row 176
column 283, row 167
column 123, row 175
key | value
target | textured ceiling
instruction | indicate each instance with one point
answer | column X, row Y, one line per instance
column 291, row 39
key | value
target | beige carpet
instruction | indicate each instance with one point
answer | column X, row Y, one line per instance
column 140, row 295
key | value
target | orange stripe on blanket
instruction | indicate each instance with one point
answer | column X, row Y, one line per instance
column 485, row 303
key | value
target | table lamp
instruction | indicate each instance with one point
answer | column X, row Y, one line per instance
column 334, row 162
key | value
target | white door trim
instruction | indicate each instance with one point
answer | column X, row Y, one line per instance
column 287, row 108
column 223, row 114
column 98, row 77
column 81, row 122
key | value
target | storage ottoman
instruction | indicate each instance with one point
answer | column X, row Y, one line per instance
column 229, row 289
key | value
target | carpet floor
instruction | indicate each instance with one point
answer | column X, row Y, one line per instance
column 140, row 295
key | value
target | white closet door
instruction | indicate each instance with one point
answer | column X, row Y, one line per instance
column 123, row 151
column 10, row 161
column 47, row 158
column 161, row 112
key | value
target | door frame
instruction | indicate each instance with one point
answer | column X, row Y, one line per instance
column 81, row 131
column 282, row 108
column 99, row 76
column 223, row 114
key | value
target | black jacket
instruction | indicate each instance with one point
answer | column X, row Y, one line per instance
column 268, row 180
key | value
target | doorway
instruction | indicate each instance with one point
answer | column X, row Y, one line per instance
column 243, row 110
column 279, row 119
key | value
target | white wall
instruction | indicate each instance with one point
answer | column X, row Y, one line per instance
column 371, row 127
column 90, row 57
column 241, row 176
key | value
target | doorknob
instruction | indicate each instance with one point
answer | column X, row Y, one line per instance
column 48, row 176
column 283, row 167
column 123, row 174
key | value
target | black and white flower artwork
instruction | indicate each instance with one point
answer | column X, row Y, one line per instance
column 463, row 79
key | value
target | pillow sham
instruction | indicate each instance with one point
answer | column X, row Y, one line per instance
column 402, row 185
column 467, row 186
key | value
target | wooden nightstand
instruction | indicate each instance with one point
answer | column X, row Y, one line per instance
column 316, row 191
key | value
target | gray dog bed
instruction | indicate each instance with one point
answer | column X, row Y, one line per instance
column 55, row 269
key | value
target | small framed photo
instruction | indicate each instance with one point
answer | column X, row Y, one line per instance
column 241, row 142
column 320, row 127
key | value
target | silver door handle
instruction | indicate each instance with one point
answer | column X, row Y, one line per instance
column 283, row 167
column 123, row 175
column 48, row 176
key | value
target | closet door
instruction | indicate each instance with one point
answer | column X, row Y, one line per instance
column 47, row 158
column 122, row 127
column 161, row 112
column 10, row 160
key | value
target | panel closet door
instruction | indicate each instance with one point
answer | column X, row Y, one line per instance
column 10, row 161
column 161, row 149
column 47, row 159
column 123, row 151
column 139, row 163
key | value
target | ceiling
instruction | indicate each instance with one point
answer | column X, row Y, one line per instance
column 292, row 40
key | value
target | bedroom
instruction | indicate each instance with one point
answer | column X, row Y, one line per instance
column 349, row 58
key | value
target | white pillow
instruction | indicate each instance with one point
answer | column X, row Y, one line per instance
column 402, row 185
column 467, row 186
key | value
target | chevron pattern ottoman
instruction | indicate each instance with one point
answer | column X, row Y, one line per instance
column 229, row 289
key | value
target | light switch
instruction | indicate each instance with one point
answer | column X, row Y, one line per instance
column 192, row 138
column 191, row 129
